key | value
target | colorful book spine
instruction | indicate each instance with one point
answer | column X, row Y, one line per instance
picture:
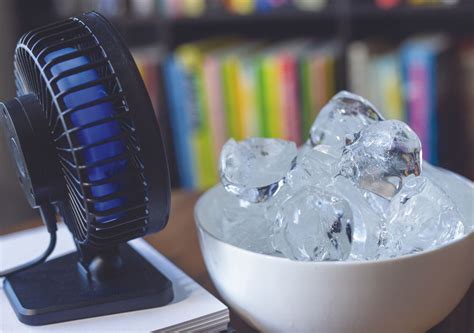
column 242, row 7
column 388, row 74
column 418, row 64
column 272, row 91
column 290, row 103
column 330, row 76
column 260, row 96
column 205, row 166
column 306, row 98
column 358, row 59
column 179, row 121
column 318, row 83
column 207, row 163
column 192, row 8
column 231, row 96
column 214, row 95
column 248, row 104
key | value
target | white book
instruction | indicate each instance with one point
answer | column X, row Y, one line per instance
column 192, row 309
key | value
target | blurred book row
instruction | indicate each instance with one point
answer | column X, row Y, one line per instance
column 183, row 8
column 187, row 8
column 198, row 8
column 210, row 90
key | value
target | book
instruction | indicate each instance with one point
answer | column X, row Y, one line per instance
column 192, row 309
column 247, row 92
column 374, row 72
column 290, row 56
column 386, row 84
column 310, row 5
column 274, row 79
column 307, row 105
column 387, row 4
column 235, row 93
column 242, row 7
column 360, row 55
column 192, row 8
column 215, row 99
column 180, row 121
column 421, row 64
column 317, row 67
column 191, row 57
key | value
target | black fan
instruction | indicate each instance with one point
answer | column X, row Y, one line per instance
column 87, row 147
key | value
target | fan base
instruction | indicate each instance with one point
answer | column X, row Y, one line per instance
column 56, row 291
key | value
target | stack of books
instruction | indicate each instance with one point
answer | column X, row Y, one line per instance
column 193, row 308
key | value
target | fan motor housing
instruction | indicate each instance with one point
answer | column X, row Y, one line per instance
column 27, row 135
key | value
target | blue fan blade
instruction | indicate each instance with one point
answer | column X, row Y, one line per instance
column 93, row 134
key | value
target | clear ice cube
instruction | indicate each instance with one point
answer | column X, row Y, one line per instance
column 421, row 216
column 255, row 169
column 380, row 156
column 313, row 225
column 367, row 223
column 454, row 186
column 243, row 224
column 378, row 204
column 315, row 166
column 343, row 116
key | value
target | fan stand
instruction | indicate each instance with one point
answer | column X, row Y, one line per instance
column 59, row 291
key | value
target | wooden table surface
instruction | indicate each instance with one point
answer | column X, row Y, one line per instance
column 179, row 242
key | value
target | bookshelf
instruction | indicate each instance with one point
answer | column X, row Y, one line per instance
column 343, row 21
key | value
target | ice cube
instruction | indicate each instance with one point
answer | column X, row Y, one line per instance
column 315, row 166
column 344, row 115
column 421, row 216
column 256, row 168
column 243, row 224
column 382, row 154
column 367, row 223
column 313, row 225
column 455, row 187
column 378, row 204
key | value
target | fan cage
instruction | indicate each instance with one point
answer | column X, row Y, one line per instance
column 34, row 75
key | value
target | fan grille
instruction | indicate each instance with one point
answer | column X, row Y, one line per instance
column 34, row 72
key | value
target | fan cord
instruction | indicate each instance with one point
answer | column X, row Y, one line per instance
column 49, row 218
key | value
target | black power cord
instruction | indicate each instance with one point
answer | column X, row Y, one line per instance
column 48, row 214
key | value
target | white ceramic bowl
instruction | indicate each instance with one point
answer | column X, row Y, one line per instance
column 407, row 294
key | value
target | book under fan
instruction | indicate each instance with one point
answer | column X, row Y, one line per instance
column 87, row 147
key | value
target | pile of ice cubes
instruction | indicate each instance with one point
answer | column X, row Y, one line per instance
column 354, row 191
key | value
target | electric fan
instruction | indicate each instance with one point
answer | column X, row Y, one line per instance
column 87, row 147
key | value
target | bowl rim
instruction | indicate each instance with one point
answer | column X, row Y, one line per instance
column 405, row 257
